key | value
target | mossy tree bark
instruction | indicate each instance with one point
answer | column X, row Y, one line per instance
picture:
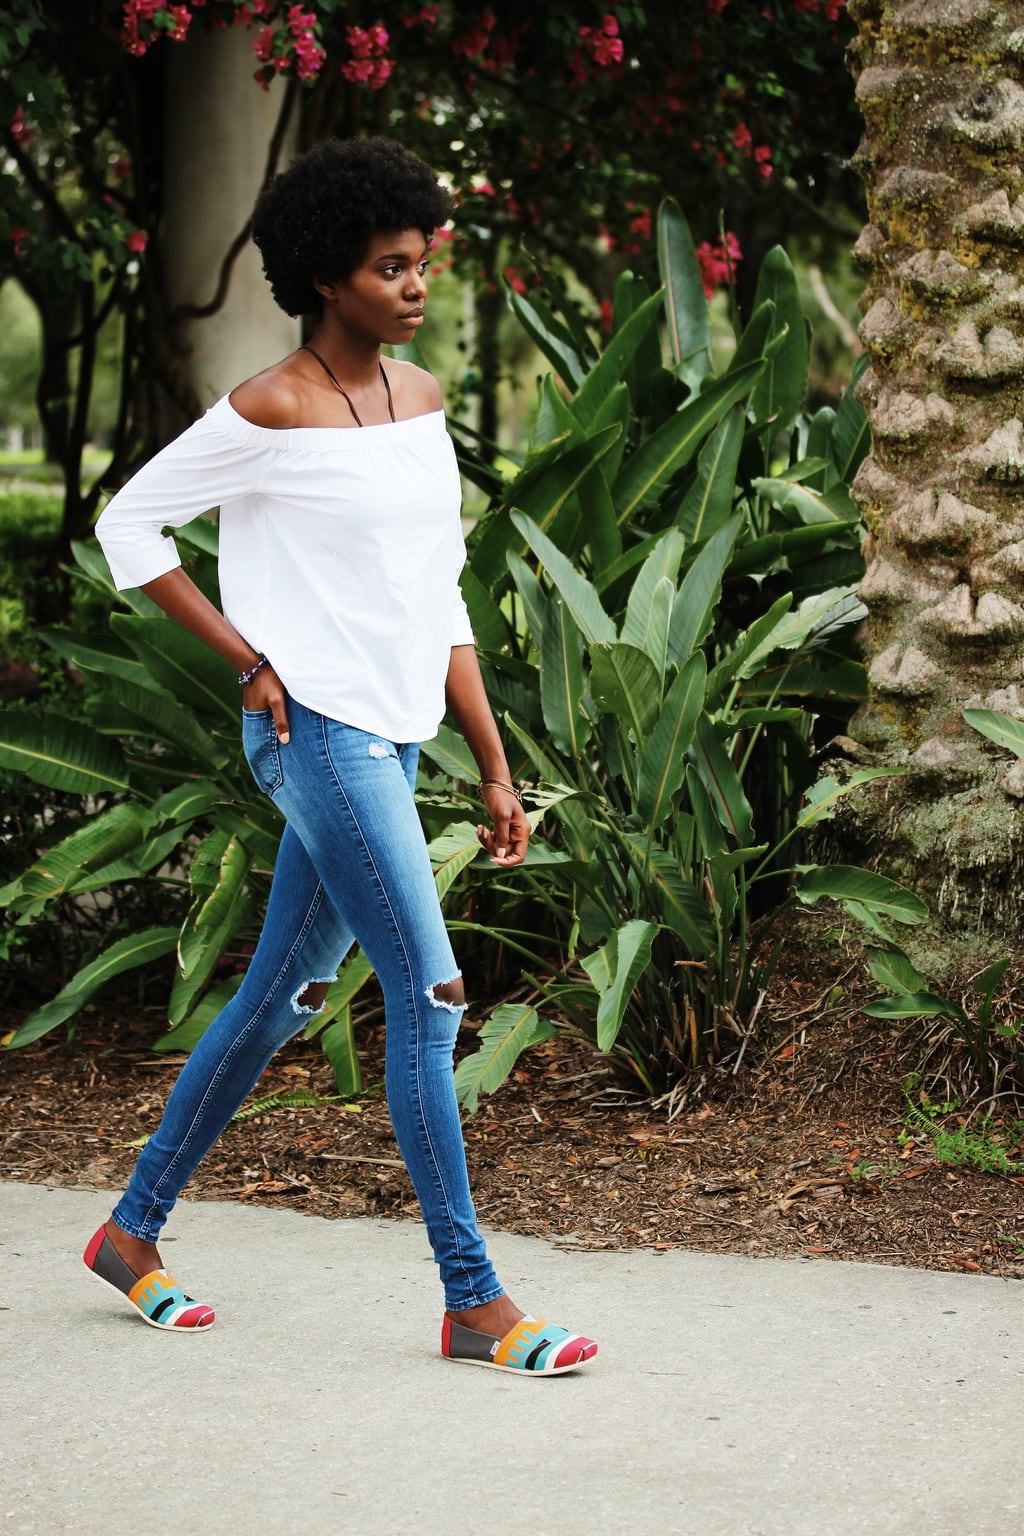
column 940, row 86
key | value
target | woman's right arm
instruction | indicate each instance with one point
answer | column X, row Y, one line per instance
column 216, row 460
column 179, row 597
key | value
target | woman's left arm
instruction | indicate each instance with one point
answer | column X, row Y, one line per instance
column 509, row 834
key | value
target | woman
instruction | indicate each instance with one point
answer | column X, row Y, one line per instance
column 340, row 553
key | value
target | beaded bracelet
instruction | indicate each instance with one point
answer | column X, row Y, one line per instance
column 245, row 678
column 500, row 784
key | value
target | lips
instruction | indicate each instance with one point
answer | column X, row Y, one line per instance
column 412, row 314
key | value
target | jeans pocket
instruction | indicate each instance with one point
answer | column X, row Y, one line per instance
column 262, row 749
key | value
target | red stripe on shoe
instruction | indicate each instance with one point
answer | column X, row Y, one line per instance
column 195, row 1317
column 575, row 1352
column 95, row 1244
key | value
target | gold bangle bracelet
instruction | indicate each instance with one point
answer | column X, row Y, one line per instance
column 500, row 784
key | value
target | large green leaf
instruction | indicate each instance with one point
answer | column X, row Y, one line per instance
column 686, row 308
column 221, row 904
column 617, row 354
column 125, row 955
column 645, row 474
column 185, row 802
column 624, row 681
column 734, row 663
column 693, row 611
column 129, row 710
column 678, row 903
column 805, row 503
column 186, row 1035
column 1004, row 730
column 722, row 782
column 562, row 681
column 845, row 882
column 449, row 751
column 616, row 972
column 531, row 595
column 821, row 799
column 579, row 595
column 646, row 621
column 490, row 629
column 663, row 763
column 709, row 501
column 61, row 753
column 339, row 1046
column 98, row 653
column 543, row 491
column 914, row 1005
column 550, row 334
column 452, row 852
column 779, row 394
column 99, row 842
column 183, row 664
column 791, row 628
column 891, row 968
column 257, row 824
column 511, row 1029
column 851, row 432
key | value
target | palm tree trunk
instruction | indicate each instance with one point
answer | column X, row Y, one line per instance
column 942, row 155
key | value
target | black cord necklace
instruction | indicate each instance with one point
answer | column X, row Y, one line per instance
column 330, row 374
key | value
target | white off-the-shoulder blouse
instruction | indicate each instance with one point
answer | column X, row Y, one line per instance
column 340, row 554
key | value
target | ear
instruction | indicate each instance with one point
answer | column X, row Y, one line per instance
column 326, row 291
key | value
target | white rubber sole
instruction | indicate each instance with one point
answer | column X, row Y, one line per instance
column 517, row 1370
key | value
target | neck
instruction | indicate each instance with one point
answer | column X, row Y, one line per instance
column 354, row 362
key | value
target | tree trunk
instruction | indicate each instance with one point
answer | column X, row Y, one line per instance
column 937, row 81
column 219, row 127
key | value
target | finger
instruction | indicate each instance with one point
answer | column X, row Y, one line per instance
column 501, row 837
column 519, row 837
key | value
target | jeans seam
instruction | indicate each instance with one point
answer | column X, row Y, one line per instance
column 412, row 999
column 229, row 1054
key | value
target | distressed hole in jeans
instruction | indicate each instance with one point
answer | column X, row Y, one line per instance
column 448, row 994
column 311, row 996
column 378, row 749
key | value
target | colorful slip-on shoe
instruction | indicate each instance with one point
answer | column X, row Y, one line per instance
column 533, row 1348
column 157, row 1297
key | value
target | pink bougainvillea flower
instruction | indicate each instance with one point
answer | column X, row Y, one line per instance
column 21, row 132
column 717, row 262
column 18, row 234
column 136, row 241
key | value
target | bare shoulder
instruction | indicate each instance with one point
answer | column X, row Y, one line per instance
column 268, row 399
column 416, row 391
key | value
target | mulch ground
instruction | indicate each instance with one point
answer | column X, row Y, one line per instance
column 806, row 1152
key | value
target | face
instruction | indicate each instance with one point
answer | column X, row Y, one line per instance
column 384, row 298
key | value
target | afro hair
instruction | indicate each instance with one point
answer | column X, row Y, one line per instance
column 314, row 221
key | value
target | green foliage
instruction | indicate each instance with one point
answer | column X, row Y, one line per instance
column 667, row 587
column 663, row 596
column 987, row 1147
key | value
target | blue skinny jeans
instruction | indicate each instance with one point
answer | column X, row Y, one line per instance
column 352, row 866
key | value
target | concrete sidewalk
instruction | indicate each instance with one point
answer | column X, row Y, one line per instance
column 732, row 1396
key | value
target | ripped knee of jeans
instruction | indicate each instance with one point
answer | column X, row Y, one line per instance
column 450, row 995
column 312, row 995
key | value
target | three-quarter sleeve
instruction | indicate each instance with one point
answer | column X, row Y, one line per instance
column 462, row 629
column 203, row 468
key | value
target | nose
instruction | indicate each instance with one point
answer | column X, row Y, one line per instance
column 416, row 285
